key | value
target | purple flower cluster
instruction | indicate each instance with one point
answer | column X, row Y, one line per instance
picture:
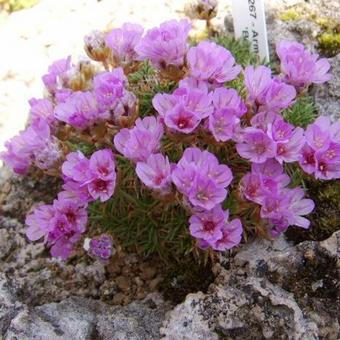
column 267, row 93
column 320, row 154
column 123, row 41
column 165, row 45
column 192, row 103
column 99, row 106
column 83, row 109
column 213, row 229
column 270, row 137
column 139, row 142
column 35, row 145
column 300, row 67
column 90, row 179
column 266, row 185
column 201, row 179
column 212, row 63
column 61, row 224
column 58, row 75
column 155, row 172
column 101, row 247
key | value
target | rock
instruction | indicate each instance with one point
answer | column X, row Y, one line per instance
column 271, row 291
column 327, row 96
column 79, row 318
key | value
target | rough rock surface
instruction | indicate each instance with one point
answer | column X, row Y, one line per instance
column 268, row 291
column 29, row 264
column 327, row 96
column 78, row 318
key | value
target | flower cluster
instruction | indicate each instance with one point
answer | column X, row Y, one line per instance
column 35, row 145
column 213, row 229
column 320, row 154
column 90, row 179
column 61, row 224
column 168, row 148
column 266, row 185
column 201, row 179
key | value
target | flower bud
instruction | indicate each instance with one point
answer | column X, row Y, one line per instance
column 95, row 46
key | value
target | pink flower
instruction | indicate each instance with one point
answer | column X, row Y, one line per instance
column 222, row 124
column 123, row 42
column 165, row 45
column 179, row 119
column 109, row 87
column 257, row 81
column 211, row 62
column 224, row 98
column 41, row 108
column 155, row 172
column 213, row 229
column 207, row 225
column 277, row 96
column 328, row 162
column 101, row 247
column 139, row 142
column 232, row 235
column 184, row 109
column 90, row 179
column 290, row 151
column 205, row 193
column 256, row 146
column 300, row 67
column 200, row 177
column 79, row 110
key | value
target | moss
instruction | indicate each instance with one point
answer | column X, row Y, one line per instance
column 290, row 15
column 325, row 219
column 329, row 44
column 16, row 5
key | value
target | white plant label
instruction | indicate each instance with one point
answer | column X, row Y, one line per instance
column 250, row 24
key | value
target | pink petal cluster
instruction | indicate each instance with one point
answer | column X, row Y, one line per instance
column 101, row 247
column 270, row 137
column 80, row 110
column 123, row 41
column 139, row 142
column 213, row 229
column 58, row 75
column 61, row 224
column 320, row 154
column 90, row 179
column 266, row 185
column 35, row 145
column 212, row 63
column 108, row 87
column 184, row 109
column 267, row 93
column 42, row 108
column 224, row 121
column 155, row 172
column 300, row 67
column 165, row 45
column 201, row 179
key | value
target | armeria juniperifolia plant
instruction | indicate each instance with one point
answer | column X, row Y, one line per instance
column 173, row 139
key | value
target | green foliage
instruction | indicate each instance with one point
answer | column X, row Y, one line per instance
column 302, row 113
column 86, row 148
column 145, row 83
column 16, row 5
column 240, row 48
column 141, row 221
